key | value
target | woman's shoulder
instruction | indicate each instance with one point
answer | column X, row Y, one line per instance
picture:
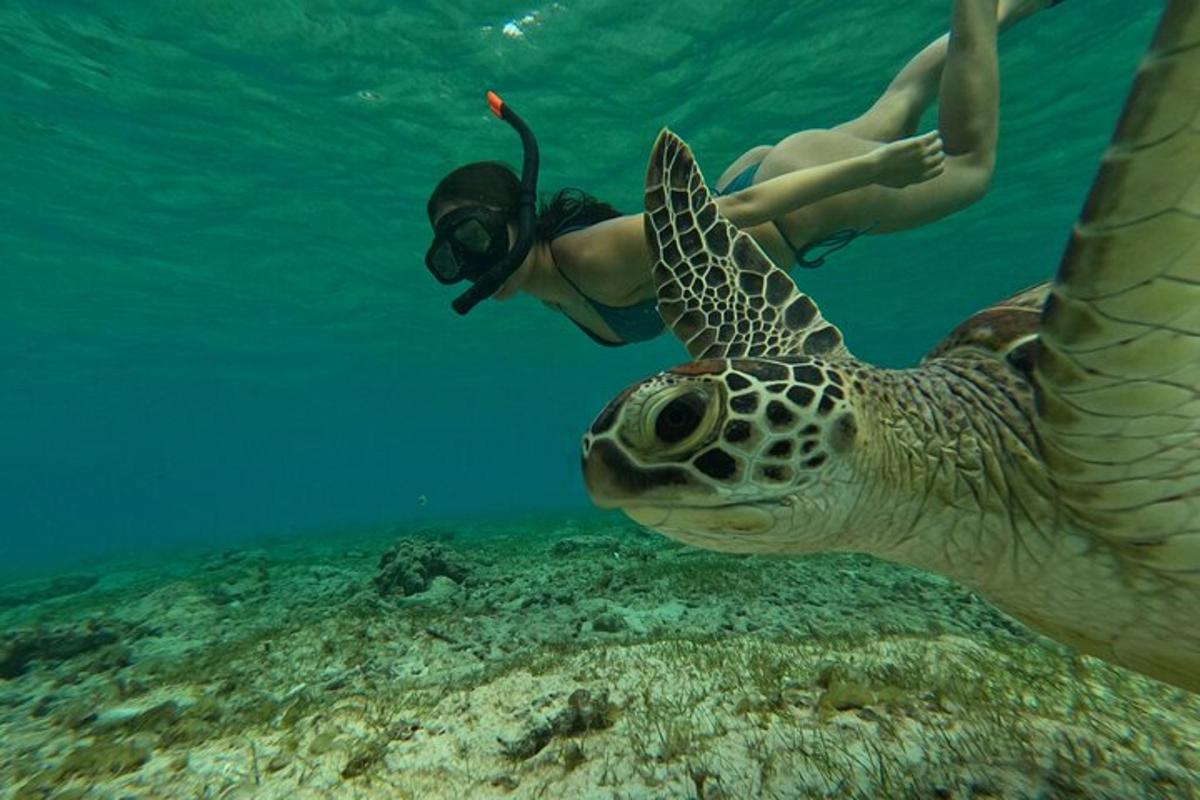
column 606, row 260
column 603, row 227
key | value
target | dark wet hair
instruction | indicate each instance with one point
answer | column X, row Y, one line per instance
column 495, row 184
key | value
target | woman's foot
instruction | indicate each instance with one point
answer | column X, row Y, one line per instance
column 1010, row 12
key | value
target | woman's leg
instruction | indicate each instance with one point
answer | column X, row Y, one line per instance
column 968, row 116
column 968, row 89
column 897, row 112
column 968, row 120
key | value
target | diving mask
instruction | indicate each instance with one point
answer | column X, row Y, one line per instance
column 467, row 243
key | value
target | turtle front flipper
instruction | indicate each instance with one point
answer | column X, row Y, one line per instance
column 1117, row 378
column 717, row 290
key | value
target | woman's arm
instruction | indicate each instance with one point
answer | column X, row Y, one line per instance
column 610, row 262
column 895, row 164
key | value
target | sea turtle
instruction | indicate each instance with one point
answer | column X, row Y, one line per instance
column 1046, row 454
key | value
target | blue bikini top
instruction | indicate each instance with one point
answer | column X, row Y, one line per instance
column 639, row 322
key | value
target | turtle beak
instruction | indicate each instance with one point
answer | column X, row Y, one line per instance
column 601, row 474
column 614, row 481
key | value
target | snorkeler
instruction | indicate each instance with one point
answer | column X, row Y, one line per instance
column 802, row 198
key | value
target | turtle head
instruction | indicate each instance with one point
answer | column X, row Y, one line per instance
column 723, row 448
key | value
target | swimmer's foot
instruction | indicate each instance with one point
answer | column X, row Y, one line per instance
column 1010, row 12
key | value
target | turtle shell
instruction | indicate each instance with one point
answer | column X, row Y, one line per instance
column 1007, row 331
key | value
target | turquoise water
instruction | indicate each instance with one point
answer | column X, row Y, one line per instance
column 214, row 321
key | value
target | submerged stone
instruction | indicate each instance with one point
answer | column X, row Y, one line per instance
column 410, row 565
column 35, row 591
column 105, row 759
column 20, row 648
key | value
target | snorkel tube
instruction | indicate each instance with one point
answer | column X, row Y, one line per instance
column 490, row 281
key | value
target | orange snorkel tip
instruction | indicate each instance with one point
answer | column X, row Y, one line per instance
column 495, row 104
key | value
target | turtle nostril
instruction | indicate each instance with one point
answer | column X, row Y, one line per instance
column 680, row 418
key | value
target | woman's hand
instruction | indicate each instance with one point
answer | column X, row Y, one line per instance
column 908, row 161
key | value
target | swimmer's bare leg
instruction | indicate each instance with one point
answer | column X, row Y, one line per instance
column 898, row 111
column 968, row 120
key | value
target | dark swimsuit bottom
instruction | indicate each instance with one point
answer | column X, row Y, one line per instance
column 640, row 322
column 823, row 247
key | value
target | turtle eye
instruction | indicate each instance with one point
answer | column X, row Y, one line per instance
column 680, row 418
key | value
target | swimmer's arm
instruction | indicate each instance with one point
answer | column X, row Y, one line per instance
column 785, row 193
column 611, row 263
column 895, row 164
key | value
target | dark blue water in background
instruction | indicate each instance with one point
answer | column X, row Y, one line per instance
column 214, row 322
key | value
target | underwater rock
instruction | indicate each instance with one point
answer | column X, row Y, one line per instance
column 106, row 759
column 233, row 577
column 249, row 582
column 154, row 719
column 20, row 648
column 410, row 565
column 363, row 758
column 281, row 759
column 848, row 689
column 175, row 609
column 441, row 590
column 584, row 711
column 529, row 742
column 322, row 743
column 609, row 622
column 605, row 548
column 427, row 533
column 504, row 781
column 34, row 591
column 708, row 786
column 577, row 545
column 235, row 558
column 572, row 756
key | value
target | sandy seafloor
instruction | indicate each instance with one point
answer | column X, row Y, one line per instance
column 563, row 658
